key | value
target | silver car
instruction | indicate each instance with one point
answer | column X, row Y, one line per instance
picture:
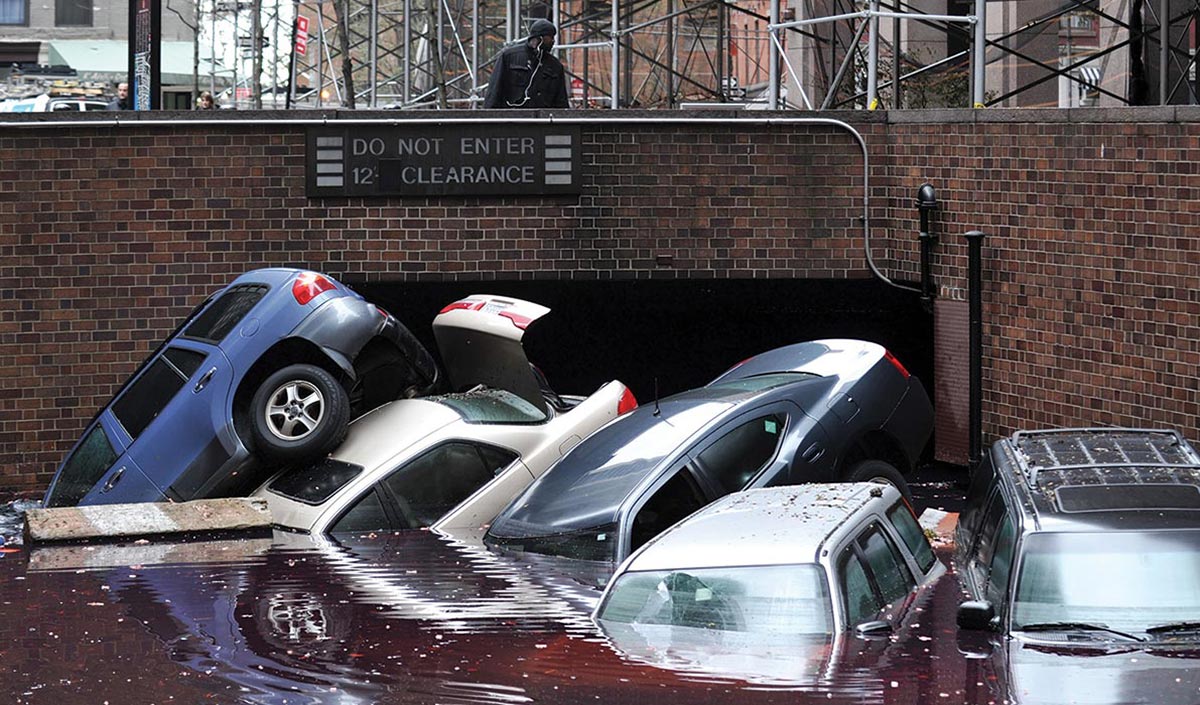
column 814, row 559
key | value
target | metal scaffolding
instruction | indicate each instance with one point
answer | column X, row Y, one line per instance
column 804, row 54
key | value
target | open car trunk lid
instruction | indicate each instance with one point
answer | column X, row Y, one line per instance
column 480, row 341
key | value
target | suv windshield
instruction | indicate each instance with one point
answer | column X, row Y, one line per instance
column 1130, row 581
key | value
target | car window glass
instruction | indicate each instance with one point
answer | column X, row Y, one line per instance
column 185, row 361
column 912, row 535
column 976, row 500
column 733, row 460
column 85, row 467
column 676, row 499
column 145, row 398
column 861, row 602
column 883, row 558
column 781, row 599
column 1001, row 565
column 218, row 319
column 982, row 556
column 366, row 515
column 431, row 485
column 313, row 483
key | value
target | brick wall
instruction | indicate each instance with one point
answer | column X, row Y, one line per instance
column 109, row 234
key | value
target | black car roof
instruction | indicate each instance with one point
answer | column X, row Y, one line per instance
column 588, row 487
column 1105, row 479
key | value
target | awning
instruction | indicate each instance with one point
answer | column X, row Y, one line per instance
column 108, row 60
column 1088, row 74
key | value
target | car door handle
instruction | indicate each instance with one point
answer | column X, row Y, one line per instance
column 203, row 381
column 112, row 481
column 812, row 453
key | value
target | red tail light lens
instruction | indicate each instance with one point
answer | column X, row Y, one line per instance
column 628, row 403
column 309, row 286
column 896, row 363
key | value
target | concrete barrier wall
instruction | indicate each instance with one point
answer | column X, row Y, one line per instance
column 109, row 234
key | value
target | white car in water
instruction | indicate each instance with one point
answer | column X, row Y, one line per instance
column 451, row 461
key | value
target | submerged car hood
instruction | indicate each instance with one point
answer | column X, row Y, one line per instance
column 1103, row 674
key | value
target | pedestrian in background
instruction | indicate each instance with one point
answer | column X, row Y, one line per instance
column 528, row 75
column 206, row 102
column 122, row 101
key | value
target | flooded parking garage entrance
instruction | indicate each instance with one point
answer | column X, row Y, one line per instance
column 679, row 333
column 403, row 618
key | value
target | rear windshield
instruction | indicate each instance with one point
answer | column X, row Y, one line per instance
column 85, row 467
column 313, row 484
column 492, row 406
column 226, row 312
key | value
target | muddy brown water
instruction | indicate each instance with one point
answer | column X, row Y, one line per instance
column 405, row 618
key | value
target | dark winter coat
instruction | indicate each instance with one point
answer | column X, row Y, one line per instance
column 520, row 80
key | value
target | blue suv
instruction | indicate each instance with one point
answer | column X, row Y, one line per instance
column 268, row 370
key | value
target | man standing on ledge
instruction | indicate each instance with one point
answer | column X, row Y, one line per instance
column 528, row 75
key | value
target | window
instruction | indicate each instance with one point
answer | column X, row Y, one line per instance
column 861, row 604
column 887, row 566
column 874, row 576
column 912, row 535
column 1002, row 556
column 144, row 400
column 226, row 312
column 315, row 483
column 736, row 458
column 425, row 489
column 85, row 467
column 73, row 13
column 14, row 12
column 780, row 599
column 981, row 560
column 366, row 515
column 679, row 497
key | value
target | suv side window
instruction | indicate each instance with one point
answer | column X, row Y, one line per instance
column 873, row 574
column 145, row 399
column 1001, row 564
column 85, row 467
column 976, row 501
column 733, row 460
column 981, row 557
column 912, row 535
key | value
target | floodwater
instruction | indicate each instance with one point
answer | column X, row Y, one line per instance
column 405, row 618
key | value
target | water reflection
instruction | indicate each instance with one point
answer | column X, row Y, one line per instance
column 414, row 617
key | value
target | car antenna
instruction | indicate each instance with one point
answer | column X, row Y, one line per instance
column 657, row 411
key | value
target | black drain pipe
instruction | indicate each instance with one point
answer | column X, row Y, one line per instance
column 975, row 294
column 926, row 202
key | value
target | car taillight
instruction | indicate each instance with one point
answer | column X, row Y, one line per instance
column 466, row 305
column 896, row 363
column 309, row 286
column 628, row 402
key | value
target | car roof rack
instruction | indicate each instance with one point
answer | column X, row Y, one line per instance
column 1099, row 450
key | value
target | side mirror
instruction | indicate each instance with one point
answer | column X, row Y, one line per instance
column 873, row 629
column 975, row 614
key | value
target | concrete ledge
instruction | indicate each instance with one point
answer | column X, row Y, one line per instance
column 146, row 519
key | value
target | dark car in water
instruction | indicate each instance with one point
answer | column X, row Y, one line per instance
column 1080, row 550
column 821, row 411
column 270, row 368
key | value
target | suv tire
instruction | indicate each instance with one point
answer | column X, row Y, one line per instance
column 299, row 412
